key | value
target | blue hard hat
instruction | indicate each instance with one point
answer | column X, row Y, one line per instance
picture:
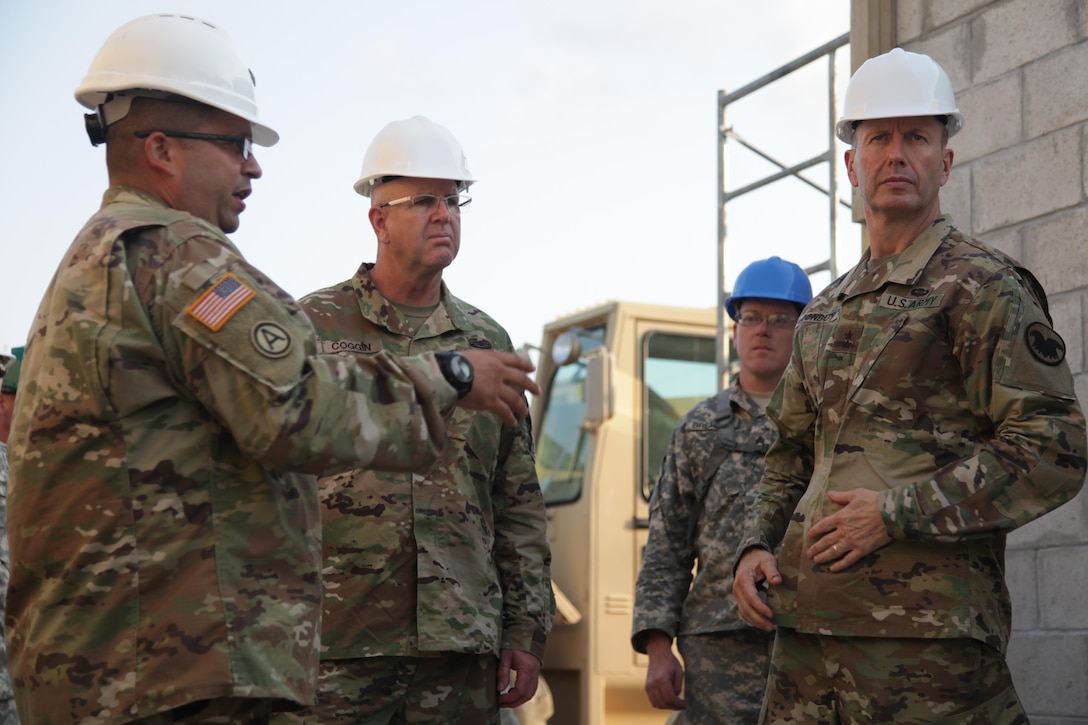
column 772, row 279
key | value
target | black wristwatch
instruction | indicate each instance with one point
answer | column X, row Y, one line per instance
column 457, row 370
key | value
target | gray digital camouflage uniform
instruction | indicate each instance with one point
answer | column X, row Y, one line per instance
column 163, row 550
column 454, row 558
column 665, row 597
column 934, row 378
column 9, row 715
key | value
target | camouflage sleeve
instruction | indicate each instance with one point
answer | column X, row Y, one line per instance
column 789, row 462
column 1015, row 377
column 522, row 553
column 257, row 371
column 665, row 575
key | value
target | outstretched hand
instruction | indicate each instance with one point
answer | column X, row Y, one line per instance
column 500, row 382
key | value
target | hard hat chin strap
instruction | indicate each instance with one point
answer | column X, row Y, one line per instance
column 115, row 108
column 96, row 126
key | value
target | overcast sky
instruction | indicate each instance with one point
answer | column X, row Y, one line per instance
column 591, row 126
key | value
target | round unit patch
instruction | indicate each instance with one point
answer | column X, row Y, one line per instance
column 1046, row 345
column 271, row 340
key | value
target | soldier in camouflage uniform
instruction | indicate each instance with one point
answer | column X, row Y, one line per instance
column 701, row 507
column 437, row 584
column 9, row 384
column 165, row 533
column 927, row 411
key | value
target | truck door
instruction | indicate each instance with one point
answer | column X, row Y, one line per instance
column 679, row 369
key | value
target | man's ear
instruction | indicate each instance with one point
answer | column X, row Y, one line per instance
column 946, row 162
column 848, row 158
column 160, row 153
column 378, row 222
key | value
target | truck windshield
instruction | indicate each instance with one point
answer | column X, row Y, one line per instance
column 678, row 371
column 561, row 444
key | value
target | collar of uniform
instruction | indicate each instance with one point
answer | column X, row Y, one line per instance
column 375, row 307
column 905, row 268
column 738, row 398
column 131, row 195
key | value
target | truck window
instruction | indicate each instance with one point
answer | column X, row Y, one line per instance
column 562, row 442
column 678, row 371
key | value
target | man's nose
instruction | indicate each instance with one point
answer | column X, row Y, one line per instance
column 251, row 168
column 442, row 209
column 895, row 147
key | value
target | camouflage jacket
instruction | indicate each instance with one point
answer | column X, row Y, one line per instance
column 165, row 542
column 934, row 378
column 454, row 557
column 662, row 597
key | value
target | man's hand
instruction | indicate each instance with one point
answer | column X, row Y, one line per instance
column 756, row 566
column 527, row 675
column 500, row 381
column 854, row 531
column 665, row 676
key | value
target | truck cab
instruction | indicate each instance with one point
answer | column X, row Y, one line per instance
column 615, row 380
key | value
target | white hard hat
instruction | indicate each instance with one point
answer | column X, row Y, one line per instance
column 177, row 55
column 898, row 84
column 416, row 147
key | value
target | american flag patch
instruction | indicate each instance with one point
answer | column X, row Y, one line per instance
column 218, row 304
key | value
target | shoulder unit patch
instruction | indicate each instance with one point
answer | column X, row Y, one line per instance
column 271, row 340
column 1045, row 344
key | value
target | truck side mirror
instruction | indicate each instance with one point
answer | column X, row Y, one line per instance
column 598, row 387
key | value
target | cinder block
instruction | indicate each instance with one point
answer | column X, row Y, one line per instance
column 952, row 49
column 992, row 118
column 1054, row 250
column 1007, row 240
column 1056, row 91
column 1020, row 577
column 1027, row 181
column 909, row 15
column 945, row 11
column 956, row 196
column 1019, row 31
column 1080, row 373
column 1065, row 526
column 1048, row 671
column 1068, row 318
column 1062, row 573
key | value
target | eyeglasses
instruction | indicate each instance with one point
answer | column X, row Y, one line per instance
column 244, row 143
column 428, row 203
column 777, row 321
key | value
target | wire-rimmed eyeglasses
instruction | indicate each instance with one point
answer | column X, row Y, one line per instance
column 428, row 203
column 776, row 321
column 244, row 143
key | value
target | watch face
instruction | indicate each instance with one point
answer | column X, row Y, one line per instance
column 461, row 368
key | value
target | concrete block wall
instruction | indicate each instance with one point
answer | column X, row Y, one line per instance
column 1019, row 181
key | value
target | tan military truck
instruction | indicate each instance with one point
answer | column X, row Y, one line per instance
column 615, row 381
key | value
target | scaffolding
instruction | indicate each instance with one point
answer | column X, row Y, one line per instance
column 727, row 134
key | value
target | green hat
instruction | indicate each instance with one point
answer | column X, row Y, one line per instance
column 11, row 375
